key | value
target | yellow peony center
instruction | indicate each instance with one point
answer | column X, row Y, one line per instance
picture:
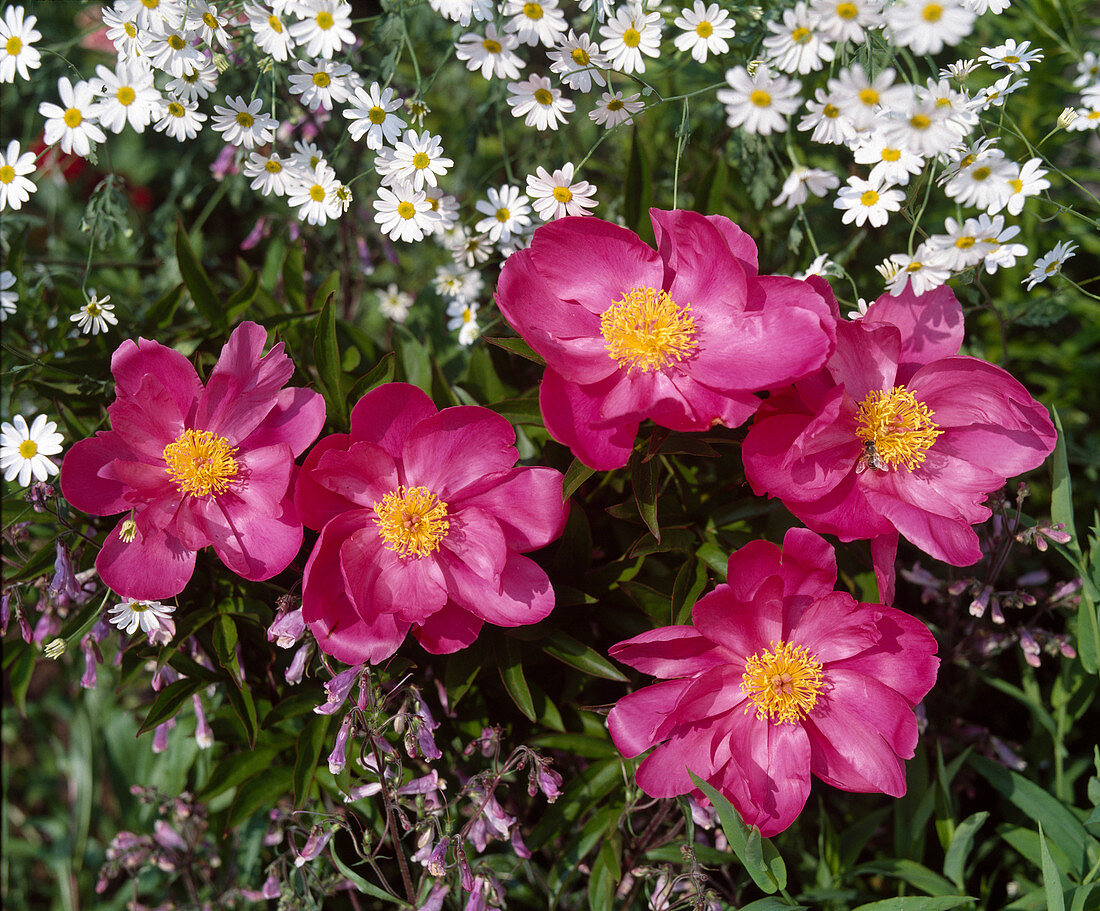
column 704, row 29
column 412, row 521
column 321, row 80
column 580, row 56
column 847, row 11
column 493, row 47
column 899, row 427
column 73, row 118
column 562, row 194
column 532, row 11
column 632, row 37
column 869, row 198
column 28, row 449
column 245, row 119
column 275, row 25
column 421, row 160
column 125, row 96
column 14, row 46
column 868, row 96
column 7, row 174
column 544, row 97
column 201, row 464
column 406, row 210
column 932, row 12
column 760, row 98
column 647, row 329
column 801, row 35
column 782, row 683
column 324, row 20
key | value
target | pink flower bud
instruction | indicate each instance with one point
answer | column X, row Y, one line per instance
column 338, row 757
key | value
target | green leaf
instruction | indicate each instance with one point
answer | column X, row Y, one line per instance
column 326, row 356
column 690, row 582
column 745, row 842
column 581, row 794
column 162, row 311
column 583, row 745
column 225, row 645
column 637, row 189
column 580, row 656
column 22, row 669
column 601, row 884
column 1052, row 880
column 940, row 903
column 169, row 701
column 245, row 710
column 310, row 743
column 773, row 903
column 643, row 476
column 461, row 672
column 575, row 475
column 519, row 411
column 294, row 277
column 511, row 672
column 954, row 862
column 235, row 768
column 263, row 791
column 197, row 281
column 517, row 346
column 381, row 373
column 363, row 885
column 329, row 287
column 241, row 299
column 910, row 871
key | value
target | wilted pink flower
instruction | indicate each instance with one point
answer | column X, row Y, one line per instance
column 779, row 677
column 683, row 335
column 193, row 466
column 424, row 521
column 897, row 434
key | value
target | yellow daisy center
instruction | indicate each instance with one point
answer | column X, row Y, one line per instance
column 914, row 266
column 150, row 4
column 965, row 243
column 376, row 115
column 891, row 154
column 502, row 215
column 831, row 111
column 275, row 25
column 317, row 193
column 782, row 683
column 210, row 21
column 801, row 35
column 580, row 56
column 615, row 104
column 900, row 427
column 1011, row 58
column 176, row 42
column 176, row 109
column 647, row 329
column 421, row 161
column 14, row 46
column 704, row 29
column 273, row 167
column 932, row 12
column 920, row 121
column 245, row 119
column 201, row 463
column 73, row 118
column 981, row 173
column 28, row 449
column 406, row 210
column 324, row 20
column 544, row 97
column 493, row 47
column 562, row 194
column 1017, row 185
column 868, row 96
column 7, row 174
column 847, row 11
column 532, row 11
column 321, row 80
column 130, row 29
column 760, row 98
column 125, row 96
column 412, row 521
column 869, row 198
column 632, row 37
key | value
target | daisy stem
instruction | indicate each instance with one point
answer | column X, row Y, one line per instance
column 682, row 136
column 412, row 56
column 214, row 200
column 923, row 206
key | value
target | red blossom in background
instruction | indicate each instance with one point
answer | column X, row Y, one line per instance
column 779, row 677
column 424, row 520
column 684, row 335
column 195, row 465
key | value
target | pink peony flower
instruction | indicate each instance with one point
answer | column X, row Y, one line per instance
column 683, row 335
column 898, row 435
column 779, row 677
column 424, row 520
column 193, row 465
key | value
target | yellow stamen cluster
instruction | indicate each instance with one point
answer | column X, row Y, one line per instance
column 412, row 521
column 900, row 427
column 647, row 329
column 782, row 683
column 201, row 463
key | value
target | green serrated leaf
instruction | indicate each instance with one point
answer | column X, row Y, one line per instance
column 578, row 655
column 511, row 673
column 326, row 357
column 197, row 281
column 168, row 702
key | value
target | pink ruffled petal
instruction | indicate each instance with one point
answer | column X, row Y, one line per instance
column 359, row 476
column 475, row 543
column 670, row 651
column 413, row 588
column 133, row 362
column 884, row 559
column 296, row 419
column 740, row 244
column 255, row 547
column 386, row 415
column 520, row 596
column 904, row 658
column 571, row 413
column 81, row 481
column 704, row 273
column 835, row 627
column 809, row 564
column 931, row 325
column 152, row 566
column 316, row 505
column 865, row 359
column 664, row 773
column 456, row 448
column 742, row 628
column 148, row 421
column 261, row 483
column 636, row 718
column 527, row 503
column 448, row 630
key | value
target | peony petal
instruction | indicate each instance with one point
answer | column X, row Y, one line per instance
column 635, row 719
column 255, row 547
column 670, row 651
column 884, row 559
column 81, row 481
column 809, row 564
column 457, row 447
column 521, row 595
column 701, row 270
column 904, row 658
column 315, row 504
column 740, row 244
column 835, row 627
column 386, row 415
column 133, row 362
column 571, row 413
column 448, row 630
column 527, row 503
column 931, row 325
column 152, row 566
column 664, row 772
column 359, row 476
column 296, row 419
column 742, row 628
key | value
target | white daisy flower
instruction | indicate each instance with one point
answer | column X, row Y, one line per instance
column 1046, row 265
column 795, row 45
column 846, row 20
column 172, row 51
column 463, row 317
column 761, row 102
column 801, row 182
column 311, row 193
column 994, row 96
column 445, row 206
column 24, row 450
column 602, row 7
column 195, row 84
column 821, row 265
column 268, row 172
column 492, row 53
column 960, row 70
column 458, row 283
column 270, row 31
column 955, row 106
column 981, row 7
column 394, row 304
column 243, row 123
column 403, row 213
column 615, row 108
column 1088, row 70
column 705, row 30
column 8, row 298
column 927, row 26
column 864, row 201
column 461, row 11
column 326, row 29
column 385, row 166
column 924, row 271
column 630, row 34
column 541, row 106
column 557, row 195
column 1030, row 181
column 202, row 17
column 17, row 37
column 15, row 187
column 371, row 113
column 95, row 316
column 127, row 97
column 890, row 163
column 505, row 213
column 133, row 613
column 828, row 120
column 468, row 248
column 1087, row 118
column 962, row 245
column 862, row 98
column 124, row 33
column 577, row 61
column 181, row 120
column 1005, row 253
column 152, row 14
column 74, row 125
column 981, row 180
column 419, row 160
column 534, row 21
column 1011, row 56
column 921, row 128
column 320, row 84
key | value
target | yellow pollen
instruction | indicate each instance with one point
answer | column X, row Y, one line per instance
column 130, row 29
column 502, row 215
column 760, row 98
column 900, row 427
column 920, row 122
column 943, row 102
column 1017, row 185
column 125, row 96
column 200, row 463
column 580, row 56
column 376, row 115
column 831, row 111
column 7, row 174
column 967, row 161
column 92, row 308
column 275, row 25
column 421, row 161
column 192, row 77
column 868, row 96
column 847, row 10
column 28, row 449
column 73, row 118
column 321, row 80
column 245, row 119
column 1011, row 58
column 532, row 11
column 562, row 194
column 544, row 97
column 647, row 329
column 137, row 607
column 782, row 683
column 801, row 35
column 317, row 193
column 632, row 37
column 210, row 21
column 868, row 198
column 1053, row 267
column 128, row 531
column 176, row 109
column 981, row 173
column 14, row 46
column 150, row 4
column 615, row 104
column 914, row 266
column 932, row 12
column 406, row 210
column 704, row 29
column 891, row 154
column 176, row 42
column 273, row 167
column 493, row 47
column 965, row 243
column 412, row 521
column 324, row 20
